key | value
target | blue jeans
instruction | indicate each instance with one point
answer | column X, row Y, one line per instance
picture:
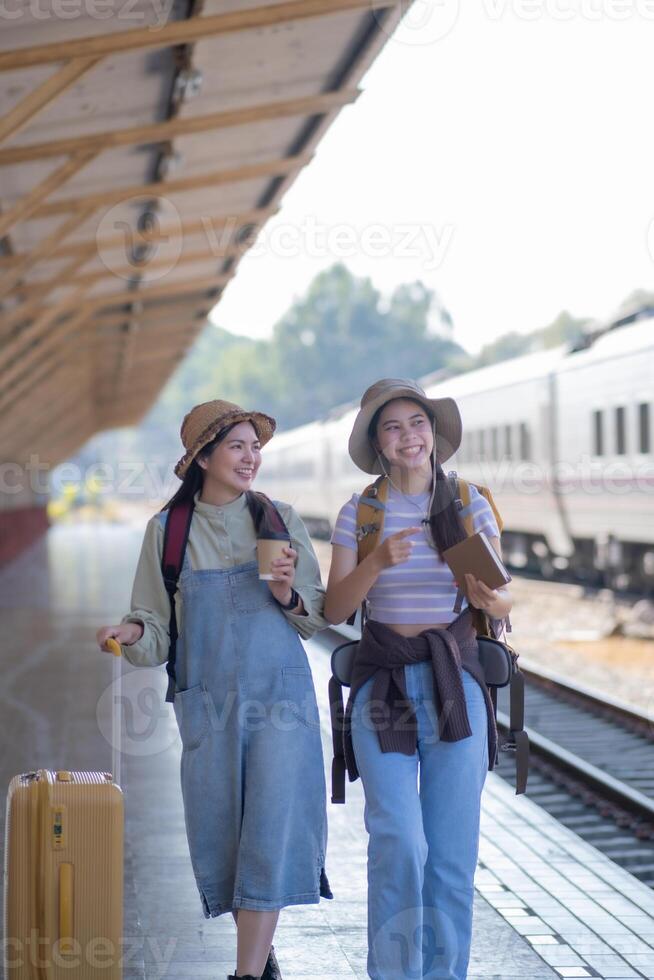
column 422, row 817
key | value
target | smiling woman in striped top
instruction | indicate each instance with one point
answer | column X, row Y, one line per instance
column 419, row 711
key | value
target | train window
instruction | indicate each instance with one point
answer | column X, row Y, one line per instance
column 481, row 452
column 495, row 449
column 598, row 433
column 644, row 444
column 525, row 442
column 620, row 435
column 507, row 442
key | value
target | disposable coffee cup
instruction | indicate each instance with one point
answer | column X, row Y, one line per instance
column 268, row 549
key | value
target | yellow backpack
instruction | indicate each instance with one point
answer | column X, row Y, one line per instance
column 370, row 522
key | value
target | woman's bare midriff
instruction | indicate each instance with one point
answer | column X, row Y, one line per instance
column 413, row 629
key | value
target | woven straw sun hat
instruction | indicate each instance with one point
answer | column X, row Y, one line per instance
column 205, row 421
column 445, row 411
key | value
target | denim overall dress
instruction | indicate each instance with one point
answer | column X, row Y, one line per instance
column 252, row 772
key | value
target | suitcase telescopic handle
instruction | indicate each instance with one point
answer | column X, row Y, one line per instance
column 116, row 706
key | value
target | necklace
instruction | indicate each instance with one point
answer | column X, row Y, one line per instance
column 422, row 510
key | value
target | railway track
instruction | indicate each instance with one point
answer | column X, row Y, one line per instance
column 591, row 763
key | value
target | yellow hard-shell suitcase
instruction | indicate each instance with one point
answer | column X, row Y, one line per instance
column 63, row 881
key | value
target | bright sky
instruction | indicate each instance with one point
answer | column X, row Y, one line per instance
column 502, row 152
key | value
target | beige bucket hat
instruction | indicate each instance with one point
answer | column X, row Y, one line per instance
column 445, row 410
column 206, row 420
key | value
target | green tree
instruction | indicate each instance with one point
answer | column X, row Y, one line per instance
column 341, row 336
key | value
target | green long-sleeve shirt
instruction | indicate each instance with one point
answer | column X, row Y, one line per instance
column 219, row 537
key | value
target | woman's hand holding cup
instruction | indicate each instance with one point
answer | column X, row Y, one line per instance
column 283, row 570
column 277, row 560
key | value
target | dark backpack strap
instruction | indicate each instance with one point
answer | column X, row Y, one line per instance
column 337, row 713
column 518, row 740
column 178, row 525
column 519, row 736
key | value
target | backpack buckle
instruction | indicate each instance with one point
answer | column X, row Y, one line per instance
column 365, row 529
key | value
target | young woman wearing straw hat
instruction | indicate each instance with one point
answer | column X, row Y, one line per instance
column 252, row 767
column 418, row 709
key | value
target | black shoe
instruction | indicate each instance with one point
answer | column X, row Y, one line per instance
column 271, row 970
column 246, row 976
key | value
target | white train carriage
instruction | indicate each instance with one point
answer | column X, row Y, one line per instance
column 563, row 438
column 603, row 408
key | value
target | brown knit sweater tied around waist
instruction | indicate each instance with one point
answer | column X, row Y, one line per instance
column 383, row 654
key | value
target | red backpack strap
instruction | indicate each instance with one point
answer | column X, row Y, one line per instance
column 176, row 532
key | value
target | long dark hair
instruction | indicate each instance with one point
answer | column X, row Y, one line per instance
column 194, row 476
column 445, row 524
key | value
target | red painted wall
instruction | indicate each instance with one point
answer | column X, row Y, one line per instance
column 19, row 528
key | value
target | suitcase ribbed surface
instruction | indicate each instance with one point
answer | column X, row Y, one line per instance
column 63, row 874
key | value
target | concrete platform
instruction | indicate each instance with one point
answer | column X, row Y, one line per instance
column 547, row 905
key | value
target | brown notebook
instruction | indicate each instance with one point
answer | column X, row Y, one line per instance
column 476, row 556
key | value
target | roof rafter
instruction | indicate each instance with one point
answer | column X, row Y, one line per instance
column 185, row 31
column 23, row 113
column 267, row 168
column 179, row 126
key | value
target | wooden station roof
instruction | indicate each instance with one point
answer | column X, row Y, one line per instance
column 141, row 146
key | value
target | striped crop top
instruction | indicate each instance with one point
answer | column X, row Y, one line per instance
column 420, row 590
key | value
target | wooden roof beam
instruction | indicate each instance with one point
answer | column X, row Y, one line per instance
column 30, row 202
column 43, row 287
column 94, row 303
column 160, row 291
column 268, row 168
column 238, row 220
column 68, row 429
column 23, row 113
column 40, row 290
column 184, row 32
column 22, row 262
column 11, row 397
column 152, row 333
column 17, row 356
column 104, row 328
column 95, row 143
column 63, row 377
